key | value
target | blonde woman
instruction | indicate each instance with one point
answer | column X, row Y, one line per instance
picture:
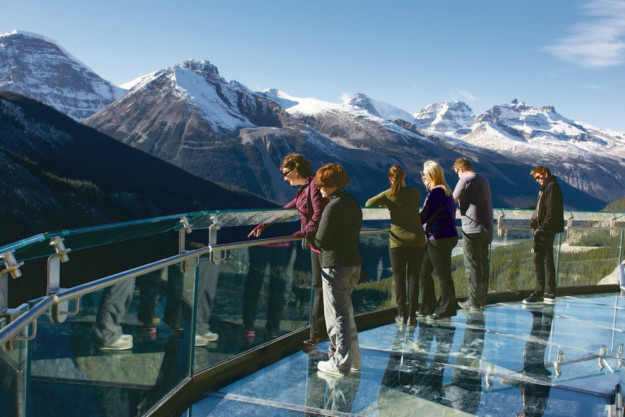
column 406, row 241
column 439, row 223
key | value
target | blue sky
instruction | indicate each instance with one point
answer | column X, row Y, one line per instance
column 565, row 53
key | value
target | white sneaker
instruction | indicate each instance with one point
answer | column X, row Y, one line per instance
column 127, row 337
column 119, row 344
column 211, row 336
column 328, row 367
column 203, row 339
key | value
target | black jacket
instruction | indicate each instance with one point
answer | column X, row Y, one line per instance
column 338, row 232
column 549, row 214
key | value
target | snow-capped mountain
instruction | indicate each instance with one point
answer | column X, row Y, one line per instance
column 450, row 118
column 220, row 130
column 37, row 67
column 191, row 116
column 588, row 158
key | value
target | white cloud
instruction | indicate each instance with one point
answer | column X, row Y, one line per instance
column 598, row 43
column 462, row 95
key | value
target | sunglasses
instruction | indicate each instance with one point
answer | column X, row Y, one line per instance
column 287, row 172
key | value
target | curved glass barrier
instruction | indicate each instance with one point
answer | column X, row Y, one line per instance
column 140, row 307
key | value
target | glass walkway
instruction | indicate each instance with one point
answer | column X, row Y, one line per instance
column 185, row 316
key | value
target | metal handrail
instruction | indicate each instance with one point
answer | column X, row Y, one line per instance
column 10, row 331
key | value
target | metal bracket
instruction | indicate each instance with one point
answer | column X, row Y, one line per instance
column 500, row 230
column 489, row 375
column 212, row 240
column 186, row 229
column 10, row 314
column 59, row 311
column 558, row 362
column 11, row 266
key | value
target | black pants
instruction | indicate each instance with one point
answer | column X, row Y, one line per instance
column 438, row 257
column 475, row 247
column 317, row 319
column 261, row 257
column 543, row 263
column 149, row 286
column 406, row 265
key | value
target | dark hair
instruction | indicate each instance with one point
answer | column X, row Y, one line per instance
column 331, row 175
column 462, row 163
column 396, row 175
column 298, row 163
column 540, row 170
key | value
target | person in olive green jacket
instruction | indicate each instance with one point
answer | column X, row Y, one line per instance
column 406, row 241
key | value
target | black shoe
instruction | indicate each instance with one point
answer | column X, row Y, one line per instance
column 549, row 298
column 534, row 298
column 412, row 321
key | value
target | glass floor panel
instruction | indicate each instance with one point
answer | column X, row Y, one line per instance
column 542, row 360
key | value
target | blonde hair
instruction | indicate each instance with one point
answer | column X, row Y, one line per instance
column 433, row 172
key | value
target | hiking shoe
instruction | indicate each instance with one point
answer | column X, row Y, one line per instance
column 435, row 318
column 534, row 298
column 119, row 344
column 203, row 339
column 549, row 298
column 467, row 305
column 328, row 367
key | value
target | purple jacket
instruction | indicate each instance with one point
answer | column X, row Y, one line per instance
column 439, row 215
column 310, row 203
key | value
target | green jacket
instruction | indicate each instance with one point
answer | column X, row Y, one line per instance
column 406, row 228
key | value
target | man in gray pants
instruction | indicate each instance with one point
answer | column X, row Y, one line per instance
column 473, row 195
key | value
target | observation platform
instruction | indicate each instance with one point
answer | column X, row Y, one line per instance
column 559, row 360
column 163, row 282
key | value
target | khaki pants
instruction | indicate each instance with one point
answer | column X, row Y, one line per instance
column 338, row 284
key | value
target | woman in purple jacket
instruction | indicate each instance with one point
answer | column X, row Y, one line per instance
column 309, row 203
column 439, row 223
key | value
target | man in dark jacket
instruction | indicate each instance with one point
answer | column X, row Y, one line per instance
column 547, row 220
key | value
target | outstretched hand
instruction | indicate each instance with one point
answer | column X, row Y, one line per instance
column 257, row 231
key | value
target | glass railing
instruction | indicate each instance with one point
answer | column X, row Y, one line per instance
column 132, row 311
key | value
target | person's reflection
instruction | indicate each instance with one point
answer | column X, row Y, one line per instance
column 428, row 383
column 315, row 386
column 149, row 286
column 535, row 395
column 327, row 392
column 275, row 258
column 400, row 370
column 114, row 303
column 172, row 371
column 208, row 276
column 466, row 382
column 414, row 373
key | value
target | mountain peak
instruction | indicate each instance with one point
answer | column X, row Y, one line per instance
column 379, row 108
column 39, row 68
column 451, row 118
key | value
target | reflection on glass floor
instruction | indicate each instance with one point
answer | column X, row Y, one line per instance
column 561, row 360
